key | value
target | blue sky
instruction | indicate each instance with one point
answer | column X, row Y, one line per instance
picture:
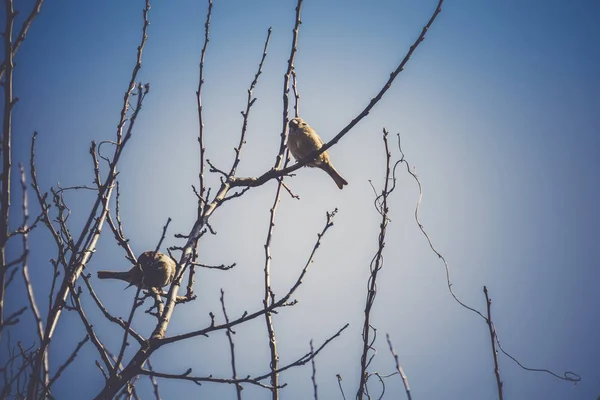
column 498, row 112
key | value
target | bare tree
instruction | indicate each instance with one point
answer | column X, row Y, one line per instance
column 27, row 372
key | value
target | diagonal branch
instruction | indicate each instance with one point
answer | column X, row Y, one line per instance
column 276, row 172
column 399, row 367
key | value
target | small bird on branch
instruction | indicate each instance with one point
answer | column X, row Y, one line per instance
column 303, row 140
column 153, row 270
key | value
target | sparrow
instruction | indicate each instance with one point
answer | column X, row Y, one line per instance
column 303, row 140
column 153, row 270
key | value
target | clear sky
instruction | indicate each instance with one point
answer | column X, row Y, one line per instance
column 499, row 112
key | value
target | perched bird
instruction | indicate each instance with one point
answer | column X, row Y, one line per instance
column 303, row 140
column 152, row 270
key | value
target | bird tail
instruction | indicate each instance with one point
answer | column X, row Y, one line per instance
column 124, row 276
column 339, row 179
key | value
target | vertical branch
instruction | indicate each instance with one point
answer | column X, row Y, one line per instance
column 229, row 332
column 313, row 377
column 9, row 103
column 296, row 94
column 268, row 298
column 399, row 368
column 493, row 339
column 23, row 33
column 154, row 382
column 25, row 270
column 376, row 265
column 286, row 86
column 202, row 200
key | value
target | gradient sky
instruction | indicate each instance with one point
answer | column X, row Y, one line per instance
column 499, row 112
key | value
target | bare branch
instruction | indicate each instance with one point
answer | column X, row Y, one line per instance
column 9, row 103
column 85, row 245
column 375, row 267
column 200, row 379
column 162, row 237
column 339, row 378
column 107, row 315
column 229, row 332
column 91, row 333
column 276, row 172
column 268, row 292
column 313, row 377
column 249, row 102
column 399, row 368
column 488, row 302
column 567, row 376
column 222, row 267
column 201, row 204
column 25, row 269
column 35, row 10
column 308, row 356
column 154, row 382
column 246, row 316
column 69, row 360
column 296, row 94
column 136, row 303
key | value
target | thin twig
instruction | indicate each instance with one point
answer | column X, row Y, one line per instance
column 9, row 103
column 268, row 292
column 25, row 269
column 308, row 356
column 488, row 302
column 107, row 315
column 249, row 316
column 83, row 249
column 399, row 367
column 276, row 172
column 313, row 376
column 296, row 94
column 339, row 379
column 567, row 376
column 136, row 303
column 375, row 267
column 199, row 102
column 35, row 10
column 71, row 358
column 249, row 103
column 229, row 333
column 154, row 382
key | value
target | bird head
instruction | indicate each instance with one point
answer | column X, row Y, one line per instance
column 296, row 122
